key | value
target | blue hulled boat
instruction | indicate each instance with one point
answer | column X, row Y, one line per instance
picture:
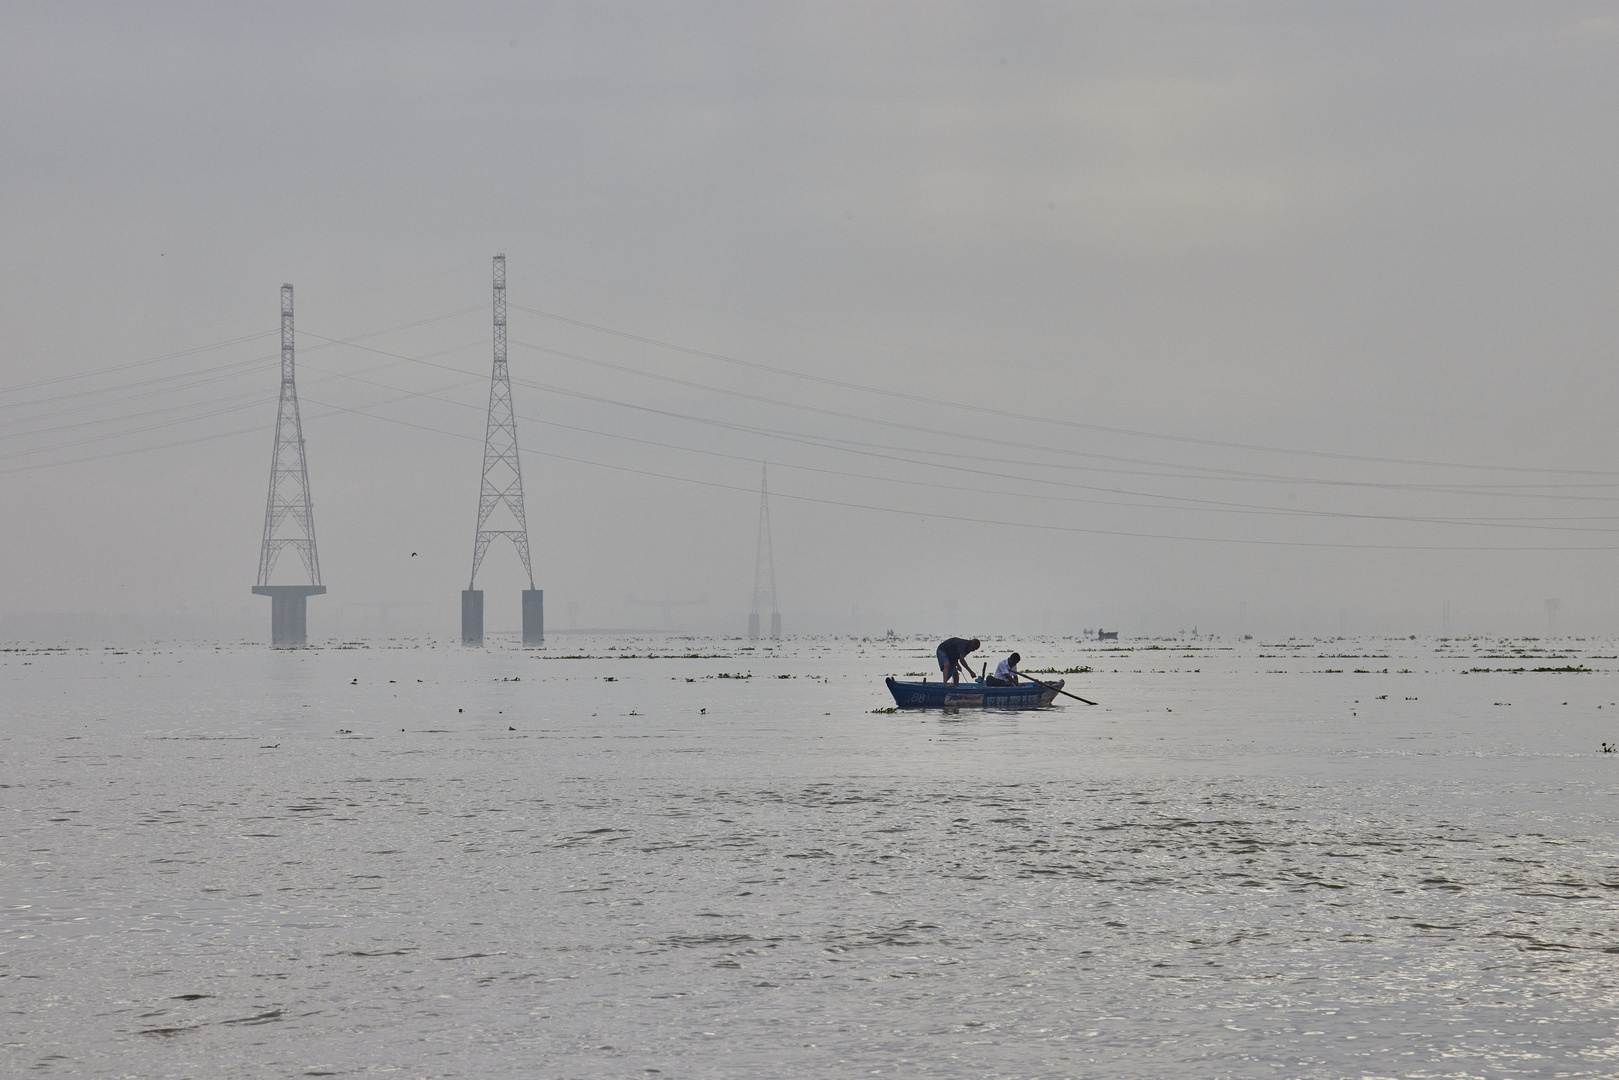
column 933, row 695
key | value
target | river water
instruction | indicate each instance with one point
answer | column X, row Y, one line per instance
column 685, row 857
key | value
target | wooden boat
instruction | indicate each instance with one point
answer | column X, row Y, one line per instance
column 933, row 695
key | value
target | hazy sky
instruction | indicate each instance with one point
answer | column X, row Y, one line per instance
column 1263, row 312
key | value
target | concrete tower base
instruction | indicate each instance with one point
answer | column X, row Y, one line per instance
column 533, row 618
column 775, row 625
column 753, row 626
column 289, row 625
column 472, row 616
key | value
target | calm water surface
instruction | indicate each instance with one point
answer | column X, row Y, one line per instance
column 680, row 857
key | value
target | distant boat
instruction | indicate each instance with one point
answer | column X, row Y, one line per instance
column 933, row 695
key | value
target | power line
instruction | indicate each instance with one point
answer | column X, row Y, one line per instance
column 327, row 344
column 1199, row 472
column 1028, row 417
column 719, row 485
column 135, row 363
column 1188, row 503
column 1463, row 490
column 865, row 449
column 1213, row 472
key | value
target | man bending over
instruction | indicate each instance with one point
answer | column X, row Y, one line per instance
column 952, row 651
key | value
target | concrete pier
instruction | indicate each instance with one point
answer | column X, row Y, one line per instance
column 472, row 616
column 775, row 626
column 533, row 618
column 289, row 625
column 753, row 626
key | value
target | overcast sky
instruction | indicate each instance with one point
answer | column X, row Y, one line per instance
column 1271, row 318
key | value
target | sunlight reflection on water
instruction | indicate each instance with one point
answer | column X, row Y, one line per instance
column 720, row 862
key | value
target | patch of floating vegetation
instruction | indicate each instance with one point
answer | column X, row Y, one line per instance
column 1569, row 669
column 648, row 656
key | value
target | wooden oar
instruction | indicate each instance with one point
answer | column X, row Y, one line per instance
column 1059, row 689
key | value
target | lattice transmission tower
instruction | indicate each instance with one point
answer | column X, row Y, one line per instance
column 289, row 519
column 500, row 498
column 764, row 568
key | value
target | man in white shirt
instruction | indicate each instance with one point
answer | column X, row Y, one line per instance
column 1005, row 672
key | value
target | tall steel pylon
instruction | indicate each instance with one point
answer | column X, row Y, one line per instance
column 289, row 520
column 501, row 496
column 764, row 568
column 502, row 472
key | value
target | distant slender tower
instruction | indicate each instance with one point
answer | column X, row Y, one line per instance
column 289, row 522
column 500, row 500
column 764, row 569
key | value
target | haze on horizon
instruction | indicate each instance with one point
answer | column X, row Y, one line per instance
column 1269, row 318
